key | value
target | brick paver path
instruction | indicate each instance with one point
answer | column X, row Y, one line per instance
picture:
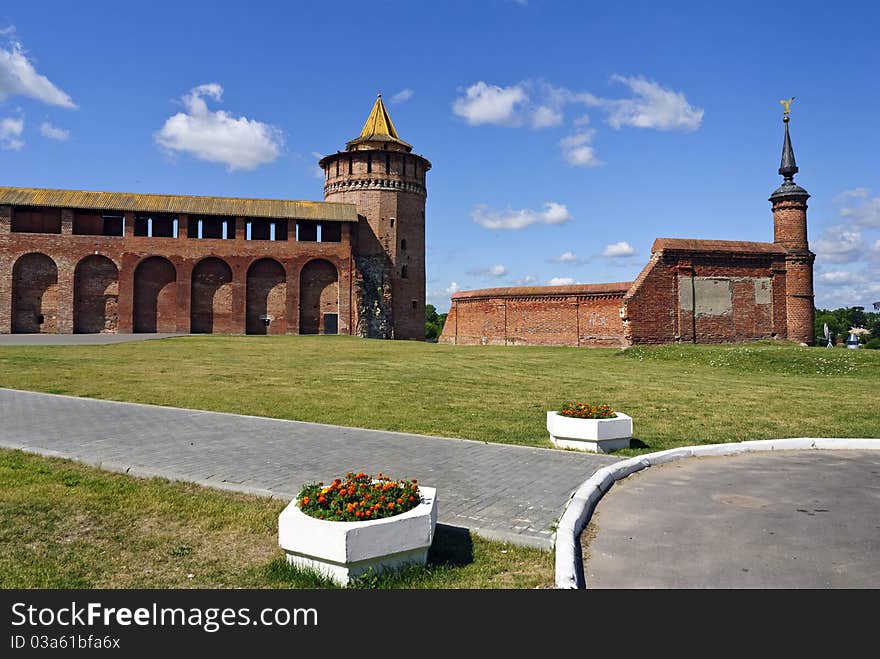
column 512, row 493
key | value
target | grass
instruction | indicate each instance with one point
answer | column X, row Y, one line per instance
column 66, row 525
column 677, row 395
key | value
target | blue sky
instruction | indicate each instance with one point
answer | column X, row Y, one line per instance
column 565, row 136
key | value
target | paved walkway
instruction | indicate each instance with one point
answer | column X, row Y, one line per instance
column 782, row 519
column 76, row 339
column 512, row 493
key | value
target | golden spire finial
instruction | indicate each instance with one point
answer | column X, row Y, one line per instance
column 787, row 110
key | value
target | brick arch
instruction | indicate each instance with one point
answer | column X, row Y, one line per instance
column 318, row 295
column 155, row 296
column 95, row 295
column 266, row 294
column 211, row 297
column 35, row 295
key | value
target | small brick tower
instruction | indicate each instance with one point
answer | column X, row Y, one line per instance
column 790, row 232
column 386, row 181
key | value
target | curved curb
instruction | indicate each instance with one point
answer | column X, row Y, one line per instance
column 579, row 509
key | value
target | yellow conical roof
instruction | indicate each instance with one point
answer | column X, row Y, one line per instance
column 379, row 122
column 378, row 128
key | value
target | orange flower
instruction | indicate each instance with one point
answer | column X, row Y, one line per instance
column 391, row 505
column 305, row 501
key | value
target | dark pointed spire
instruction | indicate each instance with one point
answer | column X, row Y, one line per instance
column 788, row 167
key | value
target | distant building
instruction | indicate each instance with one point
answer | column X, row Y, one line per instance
column 74, row 261
column 694, row 291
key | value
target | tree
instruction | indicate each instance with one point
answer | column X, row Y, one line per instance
column 433, row 322
column 841, row 320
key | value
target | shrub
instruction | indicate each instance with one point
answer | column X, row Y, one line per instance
column 873, row 344
column 588, row 411
column 359, row 497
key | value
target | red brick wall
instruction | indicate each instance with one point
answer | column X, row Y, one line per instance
column 519, row 317
column 211, row 295
column 35, row 294
column 96, row 295
column 266, row 293
column 155, row 296
column 319, row 294
column 704, row 297
column 67, row 251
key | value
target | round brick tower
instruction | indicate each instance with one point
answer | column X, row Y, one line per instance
column 790, row 232
column 386, row 181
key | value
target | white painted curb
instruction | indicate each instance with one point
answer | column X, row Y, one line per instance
column 580, row 507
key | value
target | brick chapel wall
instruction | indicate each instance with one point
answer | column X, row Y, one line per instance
column 705, row 297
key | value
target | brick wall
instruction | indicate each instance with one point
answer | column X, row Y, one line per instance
column 548, row 316
column 80, row 305
column 717, row 294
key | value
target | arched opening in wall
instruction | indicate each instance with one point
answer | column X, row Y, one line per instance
column 211, row 301
column 155, row 296
column 95, row 295
column 319, row 298
column 266, row 294
column 35, row 295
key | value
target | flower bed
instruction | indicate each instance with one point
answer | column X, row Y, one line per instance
column 586, row 427
column 382, row 537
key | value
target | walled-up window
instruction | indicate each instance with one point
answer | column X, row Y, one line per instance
column 96, row 223
column 32, row 219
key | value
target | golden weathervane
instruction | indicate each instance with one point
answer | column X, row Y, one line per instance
column 787, row 106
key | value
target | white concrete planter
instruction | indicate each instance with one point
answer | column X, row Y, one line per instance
column 596, row 435
column 343, row 550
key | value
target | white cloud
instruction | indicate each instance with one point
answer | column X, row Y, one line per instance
column 497, row 270
column 619, row 249
column 652, row 106
column 452, row 288
column 577, row 151
column 544, row 116
column 18, row 77
column 866, row 214
column 553, row 213
column 855, row 193
column 238, row 143
column 561, row 281
column 10, row 134
column 490, row 104
column 317, row 171
column 526, row 281
column 839, row 244
column 53, row 133
column 402, row 96
column 838, row 277
column 876, row 247
column 566, row 257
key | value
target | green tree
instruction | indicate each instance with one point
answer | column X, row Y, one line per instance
column 433, row 322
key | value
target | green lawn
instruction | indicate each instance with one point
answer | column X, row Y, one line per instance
column 676, row 394
column 66, row 525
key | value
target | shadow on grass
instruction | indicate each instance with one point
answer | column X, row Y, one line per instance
column 452, row 548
